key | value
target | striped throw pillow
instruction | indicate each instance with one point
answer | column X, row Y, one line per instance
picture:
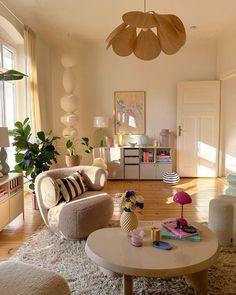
column 71, row 186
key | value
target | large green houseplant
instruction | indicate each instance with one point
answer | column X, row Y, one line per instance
column 35, row 157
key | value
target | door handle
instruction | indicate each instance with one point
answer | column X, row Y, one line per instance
column 179, row 130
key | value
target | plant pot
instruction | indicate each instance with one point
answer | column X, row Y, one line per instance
column 128, row 221
column 34, row 202
column 72, row 160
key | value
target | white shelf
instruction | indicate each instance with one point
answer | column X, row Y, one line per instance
column 129, row 164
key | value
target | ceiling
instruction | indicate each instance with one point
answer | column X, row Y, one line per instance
column 57, row 20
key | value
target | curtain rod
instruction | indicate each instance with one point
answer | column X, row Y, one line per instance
column 12, row 13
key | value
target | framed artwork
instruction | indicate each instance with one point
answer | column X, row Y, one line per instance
column 129, row 112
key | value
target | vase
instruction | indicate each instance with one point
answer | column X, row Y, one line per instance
column 128, row 221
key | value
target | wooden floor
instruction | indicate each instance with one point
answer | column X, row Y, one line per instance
column 158, row 205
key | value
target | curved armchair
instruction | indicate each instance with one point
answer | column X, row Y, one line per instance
column 82, row 215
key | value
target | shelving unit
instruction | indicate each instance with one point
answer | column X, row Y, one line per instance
column 155, row 162
column 146, row 162
column 11, row 198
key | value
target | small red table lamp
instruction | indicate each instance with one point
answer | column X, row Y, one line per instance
column 182, row 198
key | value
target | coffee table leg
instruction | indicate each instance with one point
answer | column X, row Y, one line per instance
column 128, row 285
column 199, row 281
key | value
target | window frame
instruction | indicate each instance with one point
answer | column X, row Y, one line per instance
column 3, row 120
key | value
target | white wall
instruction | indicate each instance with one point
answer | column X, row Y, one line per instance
column 100, row 73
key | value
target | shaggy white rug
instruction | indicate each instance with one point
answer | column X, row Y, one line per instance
column 68, row 258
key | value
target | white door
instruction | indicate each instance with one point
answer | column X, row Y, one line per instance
column 198, row 128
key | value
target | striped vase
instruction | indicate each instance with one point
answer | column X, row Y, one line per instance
column 128, row 221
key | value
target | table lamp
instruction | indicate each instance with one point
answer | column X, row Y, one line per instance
column 100, row 123
column 4, row 142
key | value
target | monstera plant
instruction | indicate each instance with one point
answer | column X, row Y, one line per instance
column 32, row 157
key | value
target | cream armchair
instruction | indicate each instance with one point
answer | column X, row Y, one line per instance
column 82, row 215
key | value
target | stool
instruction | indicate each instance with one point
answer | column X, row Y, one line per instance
column 17, row 278
column 222, row 219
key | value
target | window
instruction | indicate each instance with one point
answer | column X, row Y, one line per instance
column 7, row 95
column 7, row 89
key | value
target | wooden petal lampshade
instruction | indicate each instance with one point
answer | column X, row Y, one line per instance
column 146, row 34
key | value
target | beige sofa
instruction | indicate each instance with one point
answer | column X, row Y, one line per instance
column 82, row 215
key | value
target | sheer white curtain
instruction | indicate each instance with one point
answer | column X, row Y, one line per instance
column 32, row 97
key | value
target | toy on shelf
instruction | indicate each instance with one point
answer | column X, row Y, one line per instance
column 182, row 198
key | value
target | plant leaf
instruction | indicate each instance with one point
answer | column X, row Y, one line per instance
column 11, row 75
column 41, row 135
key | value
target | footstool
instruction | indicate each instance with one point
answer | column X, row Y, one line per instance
column 222, row 219
column 18, row 278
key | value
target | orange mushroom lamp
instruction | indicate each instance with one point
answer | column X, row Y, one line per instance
column 182, row 198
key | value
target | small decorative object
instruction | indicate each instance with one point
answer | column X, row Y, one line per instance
column 136, row 237
column 182, row 198
column 4, row 142
column 171, row 178
column 132, row 144
column 162, row 245
column 146, row 34
column 165, row 137
column 129, row 201
column 1, row 175
column 231, row 190
column 155, row 233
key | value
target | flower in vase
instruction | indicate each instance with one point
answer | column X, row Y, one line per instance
column 129, row 201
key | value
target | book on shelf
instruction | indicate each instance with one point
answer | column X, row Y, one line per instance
column 171, row 226
column 165, row 233
column 15, row 188
column 148, row 157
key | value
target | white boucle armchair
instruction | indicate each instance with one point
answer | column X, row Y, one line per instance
column 82, row 215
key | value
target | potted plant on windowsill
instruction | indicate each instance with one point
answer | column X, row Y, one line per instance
column 73, row 158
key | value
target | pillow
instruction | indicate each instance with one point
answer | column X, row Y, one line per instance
column 50, row 192
column 71, row 186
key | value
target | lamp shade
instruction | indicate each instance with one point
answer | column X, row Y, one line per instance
column 4, row 138
column 100, row 122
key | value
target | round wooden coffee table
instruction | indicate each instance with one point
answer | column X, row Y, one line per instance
column 111, row 249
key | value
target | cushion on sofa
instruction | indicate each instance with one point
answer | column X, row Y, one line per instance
column 50, row 192
column 71, row 186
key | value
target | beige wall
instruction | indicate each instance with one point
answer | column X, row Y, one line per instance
column 100, row 73
column 226, row 57
column 44, row 83
column 226, row 71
